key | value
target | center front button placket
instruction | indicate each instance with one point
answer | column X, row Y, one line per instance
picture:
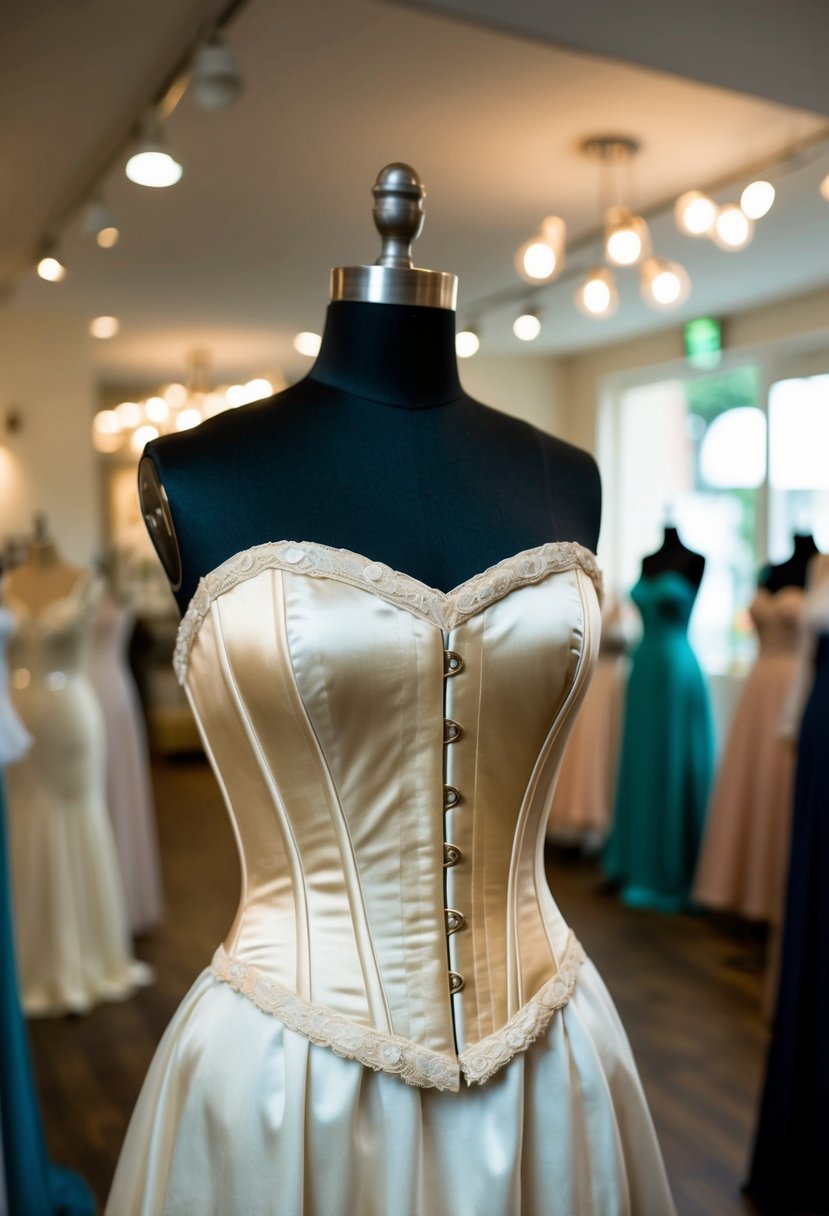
column 455, row 920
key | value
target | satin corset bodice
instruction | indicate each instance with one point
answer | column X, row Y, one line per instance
column 778, row 618
column 387, row 753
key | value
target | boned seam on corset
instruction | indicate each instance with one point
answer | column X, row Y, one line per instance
column 414, row 1064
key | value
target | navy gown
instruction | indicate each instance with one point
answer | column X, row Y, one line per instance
column 790, row 1164
column 667, row 755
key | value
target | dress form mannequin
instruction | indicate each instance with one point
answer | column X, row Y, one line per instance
column 378, row 450
column 44, row 576
column 791, row 572
column 674, row 555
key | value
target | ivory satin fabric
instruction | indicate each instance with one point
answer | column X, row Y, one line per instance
column 317, row 679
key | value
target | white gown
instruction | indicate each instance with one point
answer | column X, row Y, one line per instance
column 71, row 933
column 128, row 789
column 399, row 1021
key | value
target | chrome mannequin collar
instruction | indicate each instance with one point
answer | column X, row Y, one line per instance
column 398, row 217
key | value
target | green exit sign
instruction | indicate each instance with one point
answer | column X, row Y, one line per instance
column 703, row 341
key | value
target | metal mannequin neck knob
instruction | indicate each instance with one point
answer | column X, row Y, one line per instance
column 398, row 217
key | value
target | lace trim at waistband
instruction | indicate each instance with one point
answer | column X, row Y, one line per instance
column 395, row 1055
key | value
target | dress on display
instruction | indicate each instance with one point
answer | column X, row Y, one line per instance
column 128, row 790
column 742, row 866
column 29, row 1185
column 667, row 754
column 399, row 1022
column 788, row 1169
column 69, row 917
column 586, row 786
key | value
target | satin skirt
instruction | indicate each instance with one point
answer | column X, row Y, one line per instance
column 240, row 1116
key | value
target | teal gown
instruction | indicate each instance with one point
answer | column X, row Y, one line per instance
column 667, row 755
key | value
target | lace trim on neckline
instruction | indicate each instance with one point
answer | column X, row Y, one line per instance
column 445, row 609
column 393, row 1054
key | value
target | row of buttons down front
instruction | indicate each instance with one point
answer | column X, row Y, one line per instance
column 452, row 731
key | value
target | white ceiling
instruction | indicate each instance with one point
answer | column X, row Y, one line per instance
column 276, row 189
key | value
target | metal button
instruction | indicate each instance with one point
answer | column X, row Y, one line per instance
column 456, row 981
column 451, row 854
column 452, row 663
column 454, row 920
column 452, row 731
column 451, row 797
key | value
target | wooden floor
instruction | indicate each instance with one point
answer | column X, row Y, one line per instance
column 689, row 994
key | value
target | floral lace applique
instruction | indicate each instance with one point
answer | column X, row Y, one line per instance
column 445, row 609
column 395, row 1055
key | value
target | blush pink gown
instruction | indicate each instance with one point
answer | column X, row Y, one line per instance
column 743, row 860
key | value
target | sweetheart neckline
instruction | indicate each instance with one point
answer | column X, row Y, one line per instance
column 443, row 608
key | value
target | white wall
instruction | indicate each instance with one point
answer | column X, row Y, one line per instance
column 49, row 465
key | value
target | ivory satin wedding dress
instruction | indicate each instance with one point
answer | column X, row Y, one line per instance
column 399, row 1021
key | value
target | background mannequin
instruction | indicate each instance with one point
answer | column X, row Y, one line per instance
column 378, row 450
column 674, row 555
column 44, row 576
column 791, row 572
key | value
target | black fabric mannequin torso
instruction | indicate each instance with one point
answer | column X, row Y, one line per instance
column 791, row 572
column 674, row 555
column 377, row 450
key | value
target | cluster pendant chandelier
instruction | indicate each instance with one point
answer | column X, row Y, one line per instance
column 663, row 284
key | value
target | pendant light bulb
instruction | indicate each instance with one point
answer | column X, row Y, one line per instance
column 467, row 343
column 527, row 326
column 695, row 213
column 216, row 80
column 596, row 296
column 99, row 222
column 757, row 199
column 627, row 240
column 51, row 268
column 663, row 285
column 152, row 165
column 824, row 187
column 733, row 230
column 541, row 258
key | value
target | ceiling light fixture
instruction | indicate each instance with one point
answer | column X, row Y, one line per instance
column 307, row 344
column 467, row 342
column 733, row 230
column 627, row 239
column 50, row 267
column 597, row 297
column 152, row 164
column 99, row 222
column 216, row 79
column 104, row 327
column 527, row 326
column 695, row 213
column 664, row 285
column 541, row 258
column 757, row 199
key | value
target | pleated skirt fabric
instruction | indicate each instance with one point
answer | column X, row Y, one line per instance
column 240, row 1116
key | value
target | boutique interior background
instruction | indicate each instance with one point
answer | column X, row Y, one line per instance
column 491, row 103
